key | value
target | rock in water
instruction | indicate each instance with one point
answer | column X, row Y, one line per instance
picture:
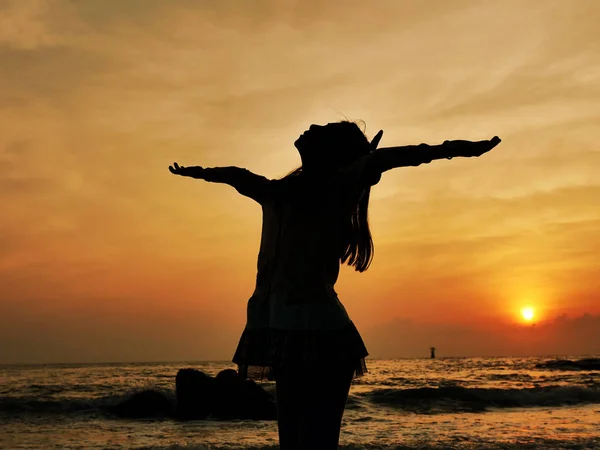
column 144, row 404
column 226, row 397
column 237, row 398
column 195, row 393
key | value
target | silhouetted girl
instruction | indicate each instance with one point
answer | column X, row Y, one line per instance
column 297, row 331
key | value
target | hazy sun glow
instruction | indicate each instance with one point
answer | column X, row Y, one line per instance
column 528, row 313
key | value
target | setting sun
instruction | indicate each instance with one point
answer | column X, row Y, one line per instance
column 527, row 313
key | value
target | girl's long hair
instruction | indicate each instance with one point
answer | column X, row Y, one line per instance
column 357, row 243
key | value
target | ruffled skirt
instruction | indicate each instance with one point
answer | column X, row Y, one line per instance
column 260, row 350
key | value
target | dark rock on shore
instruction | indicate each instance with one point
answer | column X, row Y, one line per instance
column 241, row 399
column 195, row 393
column 200, row 396
column 227, row 396
column 566, row 364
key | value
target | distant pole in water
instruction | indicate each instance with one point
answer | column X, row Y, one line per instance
column 432, row 350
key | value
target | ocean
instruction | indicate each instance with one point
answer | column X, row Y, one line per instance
column 443, row 403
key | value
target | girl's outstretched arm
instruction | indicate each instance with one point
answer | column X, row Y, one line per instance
column 367, row 170
column 414, row 155
column 244, row 181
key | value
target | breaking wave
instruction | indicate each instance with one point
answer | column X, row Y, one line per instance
column 456, row 398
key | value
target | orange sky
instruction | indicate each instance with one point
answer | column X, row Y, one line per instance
column 105, row 256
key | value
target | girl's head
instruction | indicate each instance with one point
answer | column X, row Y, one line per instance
column 327, row 148
column 331, row 146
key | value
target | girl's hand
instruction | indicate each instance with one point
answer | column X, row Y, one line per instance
column 375, row 142
column 468, row 148
column 194, row 172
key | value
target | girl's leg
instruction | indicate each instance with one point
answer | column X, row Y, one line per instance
column 287, row 385
column 322, row 406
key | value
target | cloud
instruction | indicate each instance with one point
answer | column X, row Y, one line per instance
column 49, row 76
column 15, row 176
